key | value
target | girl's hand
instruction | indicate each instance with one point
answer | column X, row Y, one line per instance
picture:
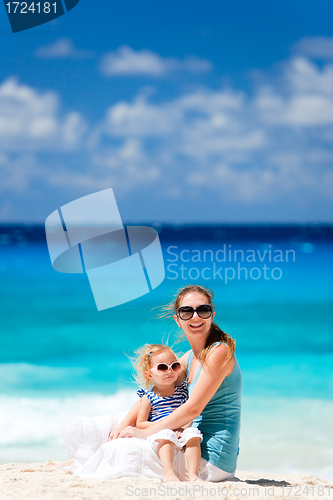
column 133, row 432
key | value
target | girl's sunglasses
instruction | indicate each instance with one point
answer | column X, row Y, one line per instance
column 163, row 367
column 204, row 312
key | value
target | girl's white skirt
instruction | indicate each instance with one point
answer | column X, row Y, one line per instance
column 86, row 440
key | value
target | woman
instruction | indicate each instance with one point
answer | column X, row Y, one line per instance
column 214, row 404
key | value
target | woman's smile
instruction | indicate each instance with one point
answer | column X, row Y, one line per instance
column 195, row 325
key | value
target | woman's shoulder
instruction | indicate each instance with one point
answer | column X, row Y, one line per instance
column 218, row 358
column 219, row 349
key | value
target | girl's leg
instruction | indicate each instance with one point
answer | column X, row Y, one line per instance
column 166, row 452
column 193, row 456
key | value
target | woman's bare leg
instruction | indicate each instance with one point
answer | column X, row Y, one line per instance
column 166, row 452
column 193, row 455
column 49, row 466
column 58, row 465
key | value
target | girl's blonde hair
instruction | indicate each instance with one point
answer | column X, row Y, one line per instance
column 215, row 334
column 143, row 362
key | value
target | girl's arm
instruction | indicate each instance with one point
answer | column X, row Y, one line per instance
column 142, row 419
column 130, row 419
column 211, row 377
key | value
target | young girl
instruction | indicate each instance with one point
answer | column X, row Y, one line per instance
column 157, row 370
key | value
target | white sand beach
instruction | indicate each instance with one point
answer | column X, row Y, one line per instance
column 60, row 484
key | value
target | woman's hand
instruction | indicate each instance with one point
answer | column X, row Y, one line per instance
column 114, row 434
column 130, row 419
column 133, row 432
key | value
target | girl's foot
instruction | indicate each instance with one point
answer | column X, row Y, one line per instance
column 169, row 476
column 194, row 477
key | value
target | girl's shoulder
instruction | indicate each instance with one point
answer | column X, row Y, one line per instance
column 141, row 392
column 181, row 386
column 181, row 389
column 145, row 392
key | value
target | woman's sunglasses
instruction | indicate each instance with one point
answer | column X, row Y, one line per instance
column 204, row 312
column 163, row 367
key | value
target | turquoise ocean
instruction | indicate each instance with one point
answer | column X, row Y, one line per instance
column 60, row 357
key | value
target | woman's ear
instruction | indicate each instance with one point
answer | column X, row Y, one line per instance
column 177, row 320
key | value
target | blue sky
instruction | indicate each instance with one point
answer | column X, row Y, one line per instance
column 190, row 111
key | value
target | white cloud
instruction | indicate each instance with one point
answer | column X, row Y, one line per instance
column 307, row 98
column 251, row 150
column 18, row 173
column 126, row 61
column 304, row 76
column 315, row 46
column 308, row 110
column 224, row 146
column 199, row 125
column 31, row 120
column 63, row 48
column 139, row 119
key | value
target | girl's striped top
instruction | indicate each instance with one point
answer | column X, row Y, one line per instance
column 162, row 406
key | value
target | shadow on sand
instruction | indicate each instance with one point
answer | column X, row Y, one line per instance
column 263, row 482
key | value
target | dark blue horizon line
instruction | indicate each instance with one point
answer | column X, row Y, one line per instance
column 263, row 232
column 188, row 224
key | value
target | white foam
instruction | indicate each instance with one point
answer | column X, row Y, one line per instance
column 278, row 434
column 36, row 423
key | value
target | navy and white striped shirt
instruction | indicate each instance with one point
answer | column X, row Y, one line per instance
column 162, row 406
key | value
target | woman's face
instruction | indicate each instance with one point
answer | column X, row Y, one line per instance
column 196, row 326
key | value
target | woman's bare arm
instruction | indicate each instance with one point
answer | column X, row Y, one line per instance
column 211, row 377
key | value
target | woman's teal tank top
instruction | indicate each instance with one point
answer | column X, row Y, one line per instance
column 219, row 421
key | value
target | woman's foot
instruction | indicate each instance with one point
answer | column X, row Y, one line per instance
column 49, row 466
column 169, row 476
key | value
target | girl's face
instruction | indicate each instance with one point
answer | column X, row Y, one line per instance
column 195, row 327
column 163, row 378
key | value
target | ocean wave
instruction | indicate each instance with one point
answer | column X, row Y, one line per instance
column 278, row 434
column 38, row 421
